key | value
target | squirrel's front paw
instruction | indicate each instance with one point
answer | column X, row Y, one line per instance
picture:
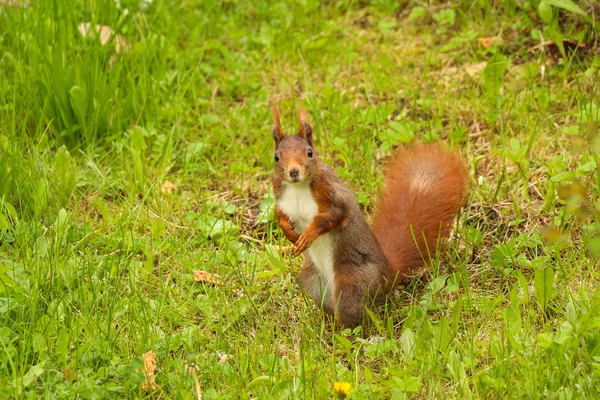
column 305, row 240
column 291, row 236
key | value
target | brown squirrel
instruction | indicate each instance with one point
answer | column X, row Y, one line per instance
column 349, row 266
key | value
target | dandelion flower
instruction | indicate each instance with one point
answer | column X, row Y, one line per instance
column 342, row 389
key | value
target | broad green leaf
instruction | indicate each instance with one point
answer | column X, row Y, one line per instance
column 493, row 74
column 39, row 342
column 553, row 33
column 437, row 284
column 571, row 313
column 445, row 17
column 512, row 318
column 567, row 5
column 459, row 375
column 590, row 112
column 229, row 208
column 473, row 235
column 405, row 384
column 274, row 258
column 455, row 317
column 524, row 287
column 564, row 333
column 61, row 224
column 399, row 132
column 267, row 208
column 158, row 229
column 564, row 176
column 34, row 372
column 545, row 340
column 593, row 245
column 41, row 246
column 261, row 380
column 4, row 225
column 592, row 344
column 545, row 12
column 62, row 161
column 41, row 196
column 215, row 228
column 408, row 343
column 386, row 26
column 78, row 98
column 12, row 212
column 587, row 168
column 62, row 345
column 416, row 13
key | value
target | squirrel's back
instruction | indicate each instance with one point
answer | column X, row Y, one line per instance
column 424, row 188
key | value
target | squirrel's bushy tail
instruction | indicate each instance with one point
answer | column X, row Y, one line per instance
column 424, row 188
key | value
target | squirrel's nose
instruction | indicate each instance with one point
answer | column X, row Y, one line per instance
column 294, row 172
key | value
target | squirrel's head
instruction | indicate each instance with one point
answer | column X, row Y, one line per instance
column 295, row 159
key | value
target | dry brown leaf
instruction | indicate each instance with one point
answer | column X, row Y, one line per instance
column 224, row 358
column 488, row 42
column 282, row 350
column 105, row 33
column 70, row 374
column 206, row 277
column 474, row 69
column 149, row 360
column 167, row 187
column 15, row 3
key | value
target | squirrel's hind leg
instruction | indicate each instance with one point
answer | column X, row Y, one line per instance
column 349, row 303
column 352, row 296
column 310, row 280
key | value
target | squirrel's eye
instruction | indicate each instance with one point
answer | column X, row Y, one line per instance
column 310, row 152
column 276, row 157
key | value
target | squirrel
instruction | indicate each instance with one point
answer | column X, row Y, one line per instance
column 350, row 266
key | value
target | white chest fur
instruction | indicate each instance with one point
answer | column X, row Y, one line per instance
column 298, row 204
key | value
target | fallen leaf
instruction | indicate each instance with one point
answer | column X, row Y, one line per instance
column 224, row 358
column 69, row 374
column 15, row 3
column 474, row 69
column 149, row 360
column 105, row 33
column 488, row 42
column 282, row 350
column 206, row 277
column 167, row 187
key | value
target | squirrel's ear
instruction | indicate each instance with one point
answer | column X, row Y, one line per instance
column 305, row 128
column 277, row 131
column 306, row 131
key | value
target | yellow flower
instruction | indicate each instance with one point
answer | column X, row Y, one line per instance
column 343, row 389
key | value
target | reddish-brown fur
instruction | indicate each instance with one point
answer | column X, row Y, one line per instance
column 424, row 187
column 286, row 226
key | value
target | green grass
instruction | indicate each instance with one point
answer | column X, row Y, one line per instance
column 97, row 256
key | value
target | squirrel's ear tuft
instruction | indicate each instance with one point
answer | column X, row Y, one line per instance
column 306, row 131
column 305, row 128
column 277, row 131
